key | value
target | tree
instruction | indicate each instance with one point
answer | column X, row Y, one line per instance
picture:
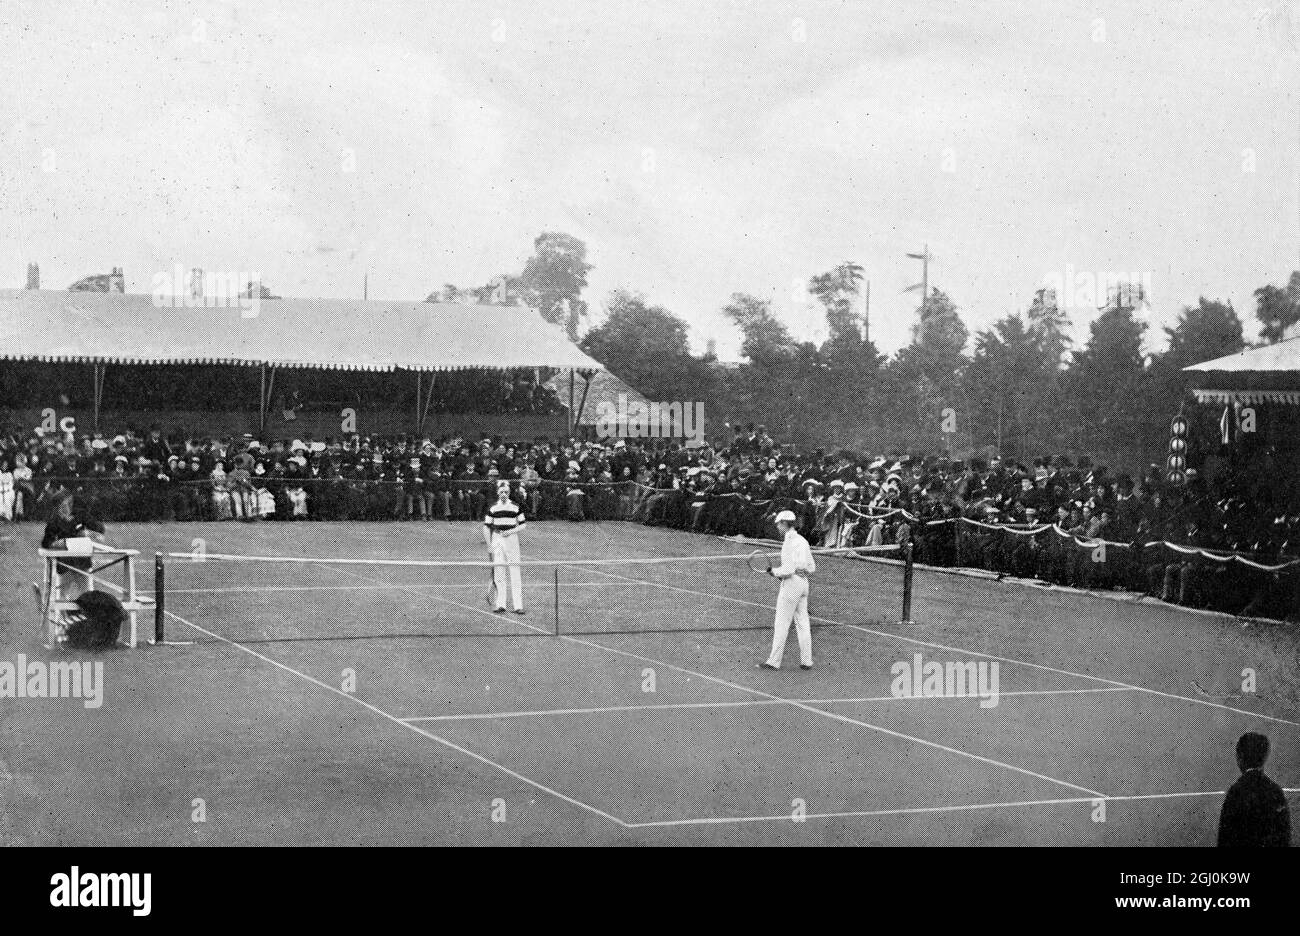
column 648, row 347
column 938, row 329
column 554, row 278
column 925, row 377
column 843, row 392
column 770, row 385
column 1278, row 309
column 1208, row 330
column 837, row 291
column 1107, row 385
column 1049, row 325
column 1003, row 379
column 766, row 340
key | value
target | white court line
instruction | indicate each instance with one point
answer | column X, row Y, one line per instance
column 767, row 695
column 1050, row 669
column 742, row 704
column 916, row 810
column 393, row 718
column 254, row 589
column 976, row 653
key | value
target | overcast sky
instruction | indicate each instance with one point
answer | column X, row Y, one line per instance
column 698, row 148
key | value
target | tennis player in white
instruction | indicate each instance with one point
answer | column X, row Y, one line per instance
column 501, row 528
column 792, row 601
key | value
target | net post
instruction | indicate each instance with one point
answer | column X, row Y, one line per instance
column 557, row 601
column 159, row 590
column 907, row 582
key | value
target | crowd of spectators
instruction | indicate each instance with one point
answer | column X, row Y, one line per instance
column 1065, row 520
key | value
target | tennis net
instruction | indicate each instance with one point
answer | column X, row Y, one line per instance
column 273, row 599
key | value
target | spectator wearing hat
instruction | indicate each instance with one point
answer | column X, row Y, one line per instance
column 412, row 478
column 699, row 484
column 437, row 485
column 295, row 474
column 155, row 447
column 830, row 519
column 852, row 516
column 222, row 502
column 261, row 481
column 574, row 496
column 24, row 492
column 243, row 499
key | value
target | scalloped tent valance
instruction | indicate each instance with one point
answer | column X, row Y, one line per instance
column 332, row 334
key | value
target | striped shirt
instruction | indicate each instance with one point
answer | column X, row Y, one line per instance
column 507, row 516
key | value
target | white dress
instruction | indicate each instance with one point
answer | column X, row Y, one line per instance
column 7, row 495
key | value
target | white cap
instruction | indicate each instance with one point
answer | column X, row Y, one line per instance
column 786, row 516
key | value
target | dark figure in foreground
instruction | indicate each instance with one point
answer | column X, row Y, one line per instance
column 1255, row 811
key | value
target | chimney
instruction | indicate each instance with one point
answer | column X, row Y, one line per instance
column 33, row 276
column 196, row 283
column 116, row 281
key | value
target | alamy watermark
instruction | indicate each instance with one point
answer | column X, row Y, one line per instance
column 922, row 679
column 638, row 419
column 64, row 679
column 227, row 289
column 1093, row 289
column 82, row 889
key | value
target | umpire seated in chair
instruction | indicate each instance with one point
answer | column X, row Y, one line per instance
column 64, row 525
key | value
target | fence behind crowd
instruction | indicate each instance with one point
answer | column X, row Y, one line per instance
column 1214, row 579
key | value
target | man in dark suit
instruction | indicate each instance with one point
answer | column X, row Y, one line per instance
column 1255, row 811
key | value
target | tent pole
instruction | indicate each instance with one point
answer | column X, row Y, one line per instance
column 261, row 406
column 572, row 418
column 98, row 378
column 419, row 381
column 270, row 394
column 586, row 388
column 428, row 400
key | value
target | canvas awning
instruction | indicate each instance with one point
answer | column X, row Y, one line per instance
column 334, row 334
column 1269, row 374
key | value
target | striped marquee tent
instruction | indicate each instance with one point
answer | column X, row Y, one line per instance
column 103, row 329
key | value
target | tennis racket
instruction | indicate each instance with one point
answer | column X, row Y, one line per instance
column 753, row 568
column 492, row 582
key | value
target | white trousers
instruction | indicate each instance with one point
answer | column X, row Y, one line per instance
column 792, row 608
column 505, row 549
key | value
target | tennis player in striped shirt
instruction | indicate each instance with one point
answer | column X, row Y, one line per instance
column 501, row 528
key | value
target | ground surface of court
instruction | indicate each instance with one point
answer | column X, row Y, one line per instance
column 1115, row 720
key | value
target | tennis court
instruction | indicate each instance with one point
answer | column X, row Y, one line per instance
column 369, row 703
